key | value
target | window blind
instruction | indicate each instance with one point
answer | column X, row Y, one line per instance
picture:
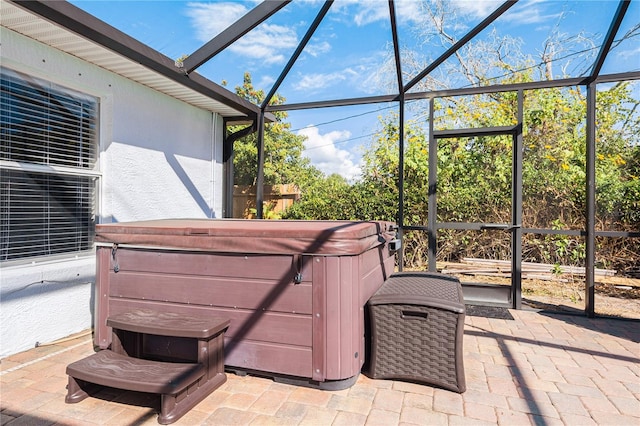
column 48, row 152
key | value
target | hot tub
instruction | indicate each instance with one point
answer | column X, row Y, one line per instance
column 294, row 291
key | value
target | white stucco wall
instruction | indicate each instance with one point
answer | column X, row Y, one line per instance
column 159, row 158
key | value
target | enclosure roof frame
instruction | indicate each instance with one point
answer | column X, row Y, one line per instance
column 74, row 19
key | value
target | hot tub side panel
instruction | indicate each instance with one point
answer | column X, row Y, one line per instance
column 271, row 322
column 342, row 286
column 313, row 329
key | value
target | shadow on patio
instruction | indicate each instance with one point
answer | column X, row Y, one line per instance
column 535, row 368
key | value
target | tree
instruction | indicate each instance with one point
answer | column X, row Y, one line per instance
column 474, row 174
column 323, row 198
column 284, row 162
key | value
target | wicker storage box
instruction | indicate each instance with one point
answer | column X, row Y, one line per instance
column 417, row 326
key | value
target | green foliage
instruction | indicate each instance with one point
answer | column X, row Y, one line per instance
column 474, row 176
column 618, row 156
column 322, row 198
column 284, row 162
column 268, row 211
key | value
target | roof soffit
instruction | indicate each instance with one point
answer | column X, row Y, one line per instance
column 79, row 34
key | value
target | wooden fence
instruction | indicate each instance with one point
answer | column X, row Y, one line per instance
column 277, row 198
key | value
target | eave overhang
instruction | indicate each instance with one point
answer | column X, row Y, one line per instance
column 63, row 26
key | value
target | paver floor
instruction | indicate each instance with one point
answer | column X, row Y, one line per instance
column 532, row 368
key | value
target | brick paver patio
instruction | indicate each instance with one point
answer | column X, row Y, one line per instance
column 535, row 368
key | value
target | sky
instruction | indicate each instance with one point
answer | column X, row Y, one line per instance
column 350, row 52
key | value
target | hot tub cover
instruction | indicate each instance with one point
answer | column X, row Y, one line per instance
column 255, row 236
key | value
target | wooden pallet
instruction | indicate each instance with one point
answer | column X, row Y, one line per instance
column 502, row 268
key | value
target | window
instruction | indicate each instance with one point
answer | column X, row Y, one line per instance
column 48, row 152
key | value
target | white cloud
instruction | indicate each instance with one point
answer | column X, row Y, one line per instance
column 317, row 81
column 364, row 78
column 478, row 8
column 531, row 16
column 315, row 49
column 210, row 19
column 266, row 42
column 323, row 153
column 371, row 11
column 524, row 12
column 408, row 11
column 265, row 82
column 530, row 13
column 629, row 53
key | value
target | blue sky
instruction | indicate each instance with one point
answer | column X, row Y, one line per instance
column 350, row 52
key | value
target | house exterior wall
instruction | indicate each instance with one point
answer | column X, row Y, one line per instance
column 159, row 158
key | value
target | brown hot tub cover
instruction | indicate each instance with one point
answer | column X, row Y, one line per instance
column 256, row 236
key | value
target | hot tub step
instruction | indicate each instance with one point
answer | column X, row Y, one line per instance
column 132, row 364
column 147, row 321
column 108, row 368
